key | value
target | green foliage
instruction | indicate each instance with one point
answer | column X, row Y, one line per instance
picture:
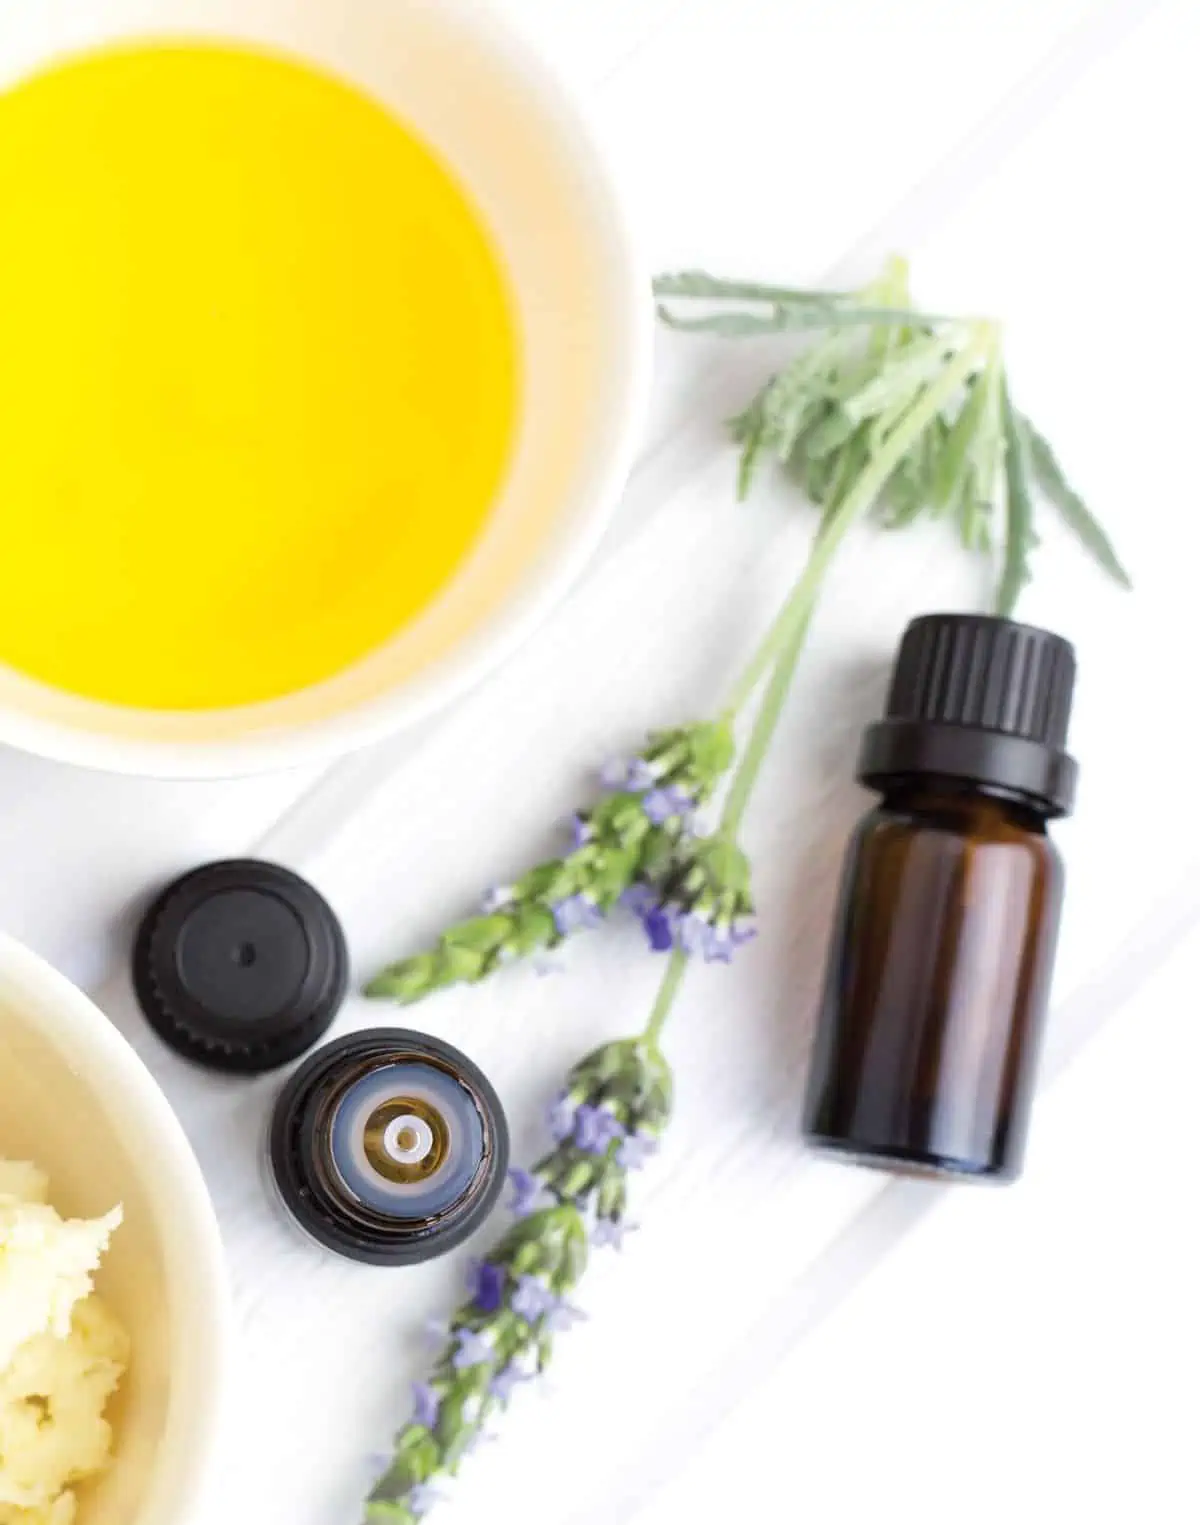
column 829, row 413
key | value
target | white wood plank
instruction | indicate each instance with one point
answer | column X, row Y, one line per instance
column 750, row 147
column 1022, row 1355
column 79, row 850
column 590, row 42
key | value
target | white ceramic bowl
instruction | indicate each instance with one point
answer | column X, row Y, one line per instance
column 76, row 1099
column 518, row 142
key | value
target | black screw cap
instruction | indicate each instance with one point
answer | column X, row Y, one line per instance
column 979, row 699
column 240, row 966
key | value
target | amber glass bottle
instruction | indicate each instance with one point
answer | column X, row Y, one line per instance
column 940, row 964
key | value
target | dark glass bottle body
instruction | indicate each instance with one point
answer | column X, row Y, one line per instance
column 937, row 982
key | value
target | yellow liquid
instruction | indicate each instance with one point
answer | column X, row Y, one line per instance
column 258, row 376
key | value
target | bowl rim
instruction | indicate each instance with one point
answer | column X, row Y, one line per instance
column 558, row 568
column 192, row 1250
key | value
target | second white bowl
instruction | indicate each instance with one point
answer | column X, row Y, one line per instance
column 76, row 1099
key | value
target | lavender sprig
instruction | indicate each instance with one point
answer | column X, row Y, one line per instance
column 607, row 1122
column 632, row 835
column 702, row 904
column 616, row 1105
column 829, row 412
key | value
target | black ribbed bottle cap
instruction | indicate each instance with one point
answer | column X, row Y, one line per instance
column 240, row 966
column 983, row 700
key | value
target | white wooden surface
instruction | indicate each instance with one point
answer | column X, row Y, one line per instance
column 782, row 1336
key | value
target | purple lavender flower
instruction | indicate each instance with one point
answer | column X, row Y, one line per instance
column 641, row 775
column 632, row 773
column 485, row 1285
column 660, row 928
column 661, row 805
column 505, row 1383
column 638, row 898
column 576, row 913
column 421, row 1498
column 561, row 1118
column 471, row 1349
column 527, row 1189
column 563, row 1317
column 582, row 832
column 609, row 1233
column 596, row 1128
column 667, row 927
column 425, row 1405
column 723, row 942
column 636, row 1150
column 533, row 1299
column 693, row 933
column 615, row 773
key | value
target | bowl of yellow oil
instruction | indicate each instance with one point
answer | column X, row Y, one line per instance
column 322, row 352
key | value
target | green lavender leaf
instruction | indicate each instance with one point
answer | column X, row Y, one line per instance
column 729, row 325
column 831, row 433
column 749, row 429
column 1074, row 512
column 611, row 1196
column 389, row 1512
column 698, row 284
column 961, row 438
column 816, row 473
column 791, row 402
column 742, row 425
column 848, row 462
column 974, row 520
column 898, row 378
column 886, row 419
column 984, row 484
column 482, row 934
column 1018, row 538
column 904, row 498
column 532, row 928
column 782, row 319
column 460, row 966
column 906, row 494
column 454, row 1425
